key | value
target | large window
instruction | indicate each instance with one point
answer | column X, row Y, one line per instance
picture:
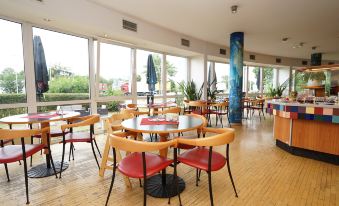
column 253, row 79
column 142, row 86
column 268, row 78
column 284, row 75
column 222, row 72
column 67, row 75
column 12, row 77
column 115, row 70
column 176, row 71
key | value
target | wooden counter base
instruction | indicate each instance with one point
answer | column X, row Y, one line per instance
column 308, row 138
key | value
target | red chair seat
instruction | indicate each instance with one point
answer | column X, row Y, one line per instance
column 131, row 165
column 198, row 158
column 13, row 153
column 256, row 107
column 78, row 137
column 219, row 112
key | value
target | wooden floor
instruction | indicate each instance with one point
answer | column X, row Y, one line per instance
column 263, row 173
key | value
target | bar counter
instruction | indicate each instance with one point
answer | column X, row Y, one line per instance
column 307, row 130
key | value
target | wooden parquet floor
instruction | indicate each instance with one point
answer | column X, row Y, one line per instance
column 263, row 173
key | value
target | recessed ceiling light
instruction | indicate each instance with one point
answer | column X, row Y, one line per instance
column 47, row 19
column 285, row 39
column 105, row 35
column 234, row 9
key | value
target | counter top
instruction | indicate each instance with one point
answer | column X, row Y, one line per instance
column 324, row 113
column 303, row 105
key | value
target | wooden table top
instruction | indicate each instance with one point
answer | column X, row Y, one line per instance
column 30, row 118
column 186, row 123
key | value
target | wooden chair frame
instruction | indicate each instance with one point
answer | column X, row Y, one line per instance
column 79, row 122
column 118, row 143
column 224, row 137
column 8, row 134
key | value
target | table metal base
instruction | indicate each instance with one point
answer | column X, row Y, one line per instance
column 43, row 171
column 155, row 188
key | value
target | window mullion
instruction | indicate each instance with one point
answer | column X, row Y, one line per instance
column 27, row 39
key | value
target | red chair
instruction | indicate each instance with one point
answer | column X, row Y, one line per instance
column 13, row 153
column 75, row 137
column 202, row 157
column 140, row 164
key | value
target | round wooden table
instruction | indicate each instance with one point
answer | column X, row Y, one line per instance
column 161, row 185
column 45, row 169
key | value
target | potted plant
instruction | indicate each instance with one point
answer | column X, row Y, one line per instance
column 314, row 78
column 276, row 92
column 190, row 91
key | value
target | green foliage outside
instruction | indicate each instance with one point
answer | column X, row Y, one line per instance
column 267, row 78
column 72, row 84
column 12, row 111
column 11, row 81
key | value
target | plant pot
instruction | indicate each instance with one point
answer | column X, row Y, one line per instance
column 313, row 83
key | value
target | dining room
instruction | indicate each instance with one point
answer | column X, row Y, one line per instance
column 124, row 103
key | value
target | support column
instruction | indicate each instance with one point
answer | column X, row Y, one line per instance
column 236, row 76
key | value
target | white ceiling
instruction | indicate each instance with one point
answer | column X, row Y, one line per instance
column 265, row 22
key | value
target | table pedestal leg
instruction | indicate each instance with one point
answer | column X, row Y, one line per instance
column 45, row 169
column 162, row 185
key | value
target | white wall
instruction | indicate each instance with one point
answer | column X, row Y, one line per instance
column 199, row 72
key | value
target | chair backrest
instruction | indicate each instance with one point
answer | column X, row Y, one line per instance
column 114, row 122
column 223, row 136
column 173, row 110
column 132, row 106
column 221, row 105
column 138, row 146
column 82, row 121
column 198, row 106
column 6, row 134
column 134, row 112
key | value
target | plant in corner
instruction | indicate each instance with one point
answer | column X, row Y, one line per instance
column 276, row 92
column 190, row 91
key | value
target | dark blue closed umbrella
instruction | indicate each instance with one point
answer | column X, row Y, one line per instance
column 151, row 74
column 40, row 66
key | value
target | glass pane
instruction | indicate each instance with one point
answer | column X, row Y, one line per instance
column 115, row 70
column 268, row 79
column 12, row 77
column 176, row 69
column 67, row 75
column 142, row 86
column 284, row 74
column 12, row 111
column 222, row 72
column 253, row 79
column 111, row 107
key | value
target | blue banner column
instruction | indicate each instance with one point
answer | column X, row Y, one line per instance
column 236, row 73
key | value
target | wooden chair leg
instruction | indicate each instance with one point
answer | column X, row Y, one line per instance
column 104, row 159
